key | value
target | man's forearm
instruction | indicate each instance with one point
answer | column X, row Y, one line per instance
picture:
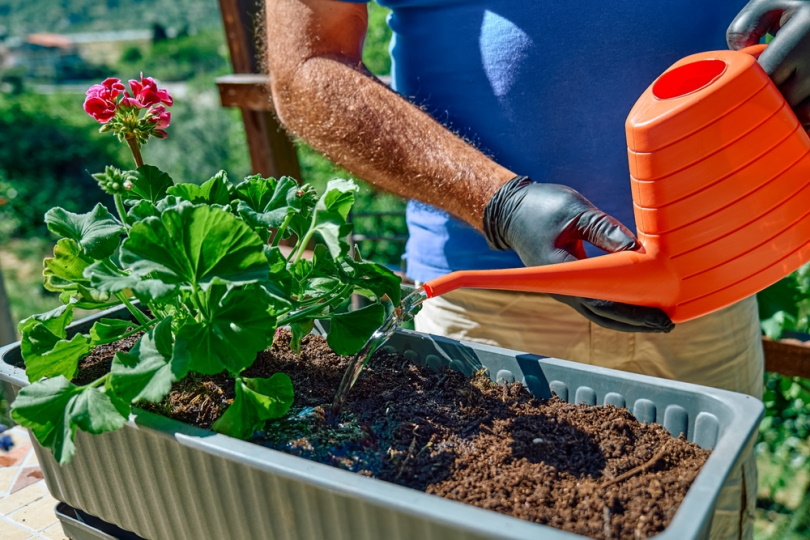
column 363, row 126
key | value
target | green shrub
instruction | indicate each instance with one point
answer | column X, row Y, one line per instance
column 47, row 153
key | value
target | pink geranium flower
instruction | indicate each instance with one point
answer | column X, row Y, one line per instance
column 146, row 93
column 159, row 116
column 100, row 109
column 100, row 103
column 110, row 89
column 133, row 116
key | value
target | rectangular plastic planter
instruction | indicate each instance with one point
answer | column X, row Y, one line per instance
column 162, row 479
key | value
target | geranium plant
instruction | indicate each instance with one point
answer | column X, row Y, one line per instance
column 201, row 272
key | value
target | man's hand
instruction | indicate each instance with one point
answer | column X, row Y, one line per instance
column 547, row 224
column 787, row 58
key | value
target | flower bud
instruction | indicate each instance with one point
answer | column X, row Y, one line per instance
column 112, row 180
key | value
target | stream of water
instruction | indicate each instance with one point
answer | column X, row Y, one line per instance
column 405, row 312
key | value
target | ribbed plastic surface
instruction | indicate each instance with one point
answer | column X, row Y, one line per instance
column 720, row 177
column 162, row 479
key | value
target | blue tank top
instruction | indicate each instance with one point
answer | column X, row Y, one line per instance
column 542, row 87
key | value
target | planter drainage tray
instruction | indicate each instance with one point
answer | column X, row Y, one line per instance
column 162, row 479
column 79, row 525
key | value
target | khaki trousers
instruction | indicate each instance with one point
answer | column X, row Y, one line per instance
column 722, row 350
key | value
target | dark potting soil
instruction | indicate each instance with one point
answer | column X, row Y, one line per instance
column 594, row 471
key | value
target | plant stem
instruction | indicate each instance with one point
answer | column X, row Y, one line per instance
column 198, row 301
column 319, row 299
column 98, row 382
column 280, row 231
column 302, row 247
column 122, row 211
column 136, row 150
column 304, row 241
column 137, row 313
column 303, row 314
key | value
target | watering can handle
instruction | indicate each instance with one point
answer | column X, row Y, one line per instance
column 754, row 50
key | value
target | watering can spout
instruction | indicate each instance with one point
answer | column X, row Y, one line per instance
column 720, row 177
column 635, row 277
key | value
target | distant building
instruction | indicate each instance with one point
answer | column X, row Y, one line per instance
column 106, row 47
column 54, row 57
column 44, row 56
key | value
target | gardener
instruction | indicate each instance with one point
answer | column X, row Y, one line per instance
column 495, row 92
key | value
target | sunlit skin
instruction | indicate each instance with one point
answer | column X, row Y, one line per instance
column 324, row 94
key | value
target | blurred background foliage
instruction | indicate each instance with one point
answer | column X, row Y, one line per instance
column 49, row 147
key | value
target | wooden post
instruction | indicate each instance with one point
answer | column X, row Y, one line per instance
column 272, row 153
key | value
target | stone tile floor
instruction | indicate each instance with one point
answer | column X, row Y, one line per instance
column 26, row 507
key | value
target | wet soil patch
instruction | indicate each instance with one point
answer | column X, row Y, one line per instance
column 594, row 471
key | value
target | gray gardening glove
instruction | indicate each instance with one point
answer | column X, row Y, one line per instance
column 547, row 224
column 787, row 58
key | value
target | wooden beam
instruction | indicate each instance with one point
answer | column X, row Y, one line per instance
column 246, row 91
column 789, row 357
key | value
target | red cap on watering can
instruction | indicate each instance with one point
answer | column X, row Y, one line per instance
column 720, row 176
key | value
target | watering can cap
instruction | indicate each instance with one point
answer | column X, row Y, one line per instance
column 690, row 95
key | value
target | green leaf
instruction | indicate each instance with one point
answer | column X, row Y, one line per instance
column 96, row 411
column 55, row 320
column 52, row 409
column 331, row 212
column 314, row 277
column 147, row 372
column 62, row 359
column 142, row 210
column 44, row 408
column 374, row 277
column 266, row 202
column 109, row 330
column 64, row 270
column 255, row 402
column 299, row 330
column 64, row 273
column 150, row 184
column 214, row 191
column 276, row 261
column 109, row 279
column 188, row 192
column 256, row 191
column 237, row 323
column 97, row 232
column 191, row 245
column 338, row 197
column 88, row 299
column 304, row 202
column 44, row 348
column 348, row 332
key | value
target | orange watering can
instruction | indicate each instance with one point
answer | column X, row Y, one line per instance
column 720, row 175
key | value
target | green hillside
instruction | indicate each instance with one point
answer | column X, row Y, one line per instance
column 20, row 17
